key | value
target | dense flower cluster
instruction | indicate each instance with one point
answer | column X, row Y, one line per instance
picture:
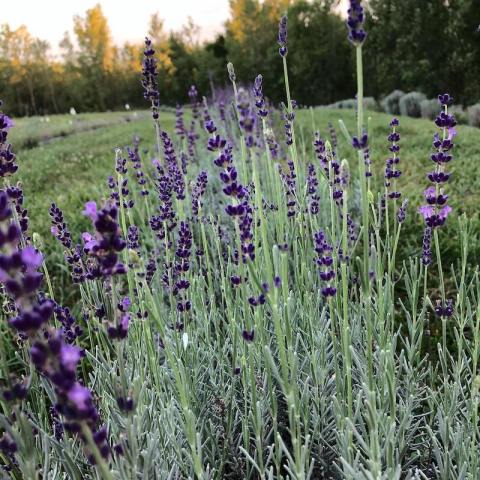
column 436, row 210
column 149, row 78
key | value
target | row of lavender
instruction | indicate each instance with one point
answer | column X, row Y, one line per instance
column 239, row 314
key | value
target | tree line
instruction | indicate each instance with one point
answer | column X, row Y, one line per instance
column 428, row 46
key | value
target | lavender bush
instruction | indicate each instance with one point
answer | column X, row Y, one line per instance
column 244, row 313
column 390, row 103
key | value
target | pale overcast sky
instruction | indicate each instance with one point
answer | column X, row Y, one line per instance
column 128, row 20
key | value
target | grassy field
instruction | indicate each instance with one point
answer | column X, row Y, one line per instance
column 73, row 168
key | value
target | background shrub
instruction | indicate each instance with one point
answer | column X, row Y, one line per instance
column 410, row 104
column 474, row 115
column 390, row 104
column 429, row 108
column 460, row 114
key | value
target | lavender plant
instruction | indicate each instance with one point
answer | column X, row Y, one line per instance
column 244, row 309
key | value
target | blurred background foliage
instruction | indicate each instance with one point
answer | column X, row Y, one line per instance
column 427, row 46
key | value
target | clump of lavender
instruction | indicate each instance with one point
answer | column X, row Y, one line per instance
column 51, row 355
column 355, row 21
column 325, row 262
column 149, row 78
column 436, row 210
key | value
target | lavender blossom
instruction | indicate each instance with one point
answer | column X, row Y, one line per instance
column 391, row 171
column 282, row 36
column 436, row 210
column 107, row 242
column 427, row 246
column 325, row 262
column 149, row 78
column 7, row 157
column 355, row 21
column 179, row 125
column 246, row 117
column 198, row 191
column 312, row 186
column 259, row 98
column 134, row 157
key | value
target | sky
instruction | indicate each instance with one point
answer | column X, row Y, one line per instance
column 128, row 20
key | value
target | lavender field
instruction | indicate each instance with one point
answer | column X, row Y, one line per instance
column 239, row 289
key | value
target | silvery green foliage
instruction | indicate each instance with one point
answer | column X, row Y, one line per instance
column 369, row 103
column 460, row 114
column 409, row 104
column 474, row 115
column 390, row 104
column 429, row 108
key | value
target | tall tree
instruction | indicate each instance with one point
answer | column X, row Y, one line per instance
column 96, row 51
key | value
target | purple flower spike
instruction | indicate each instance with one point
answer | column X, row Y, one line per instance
column 149, row 78
column 282, row 36
column 259, row 98
column 248, row 336
column 325, row 261
column 355, row 21
column 436, row 210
